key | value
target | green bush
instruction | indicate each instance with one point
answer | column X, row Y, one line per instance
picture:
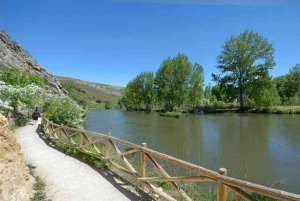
column 108, row 105
column 63, row 110
column 15, row 77
column 20, row 120
column 176, row 109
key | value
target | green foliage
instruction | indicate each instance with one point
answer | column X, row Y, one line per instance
column 218, row 94
column 39, row 190
column 12, row 97
column 15, row 77
column 91, row 95
column 208, row 92
column 85, row 157
column 63, row 110
column 288, row 86
column 172, row 81
column 263, row 93
column 176, row 109
column 39, row 186
column 139, row 93
column 196, row 93
column 108, row 105
column 244, row 59
column 20, row 120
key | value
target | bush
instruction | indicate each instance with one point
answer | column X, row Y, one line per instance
column 20, row 120
column 176, row 109
column 108, row 105
column 63, row 110
column 15, row 77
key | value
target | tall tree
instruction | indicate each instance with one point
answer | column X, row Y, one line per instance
column 139, row 93
column 172, row 81
column 244, row 59
column 196, row 85
column 288, row 86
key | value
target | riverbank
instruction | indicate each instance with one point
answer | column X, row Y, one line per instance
column 215, row 110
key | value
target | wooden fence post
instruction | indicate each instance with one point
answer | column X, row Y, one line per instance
column 81, row 140
column 221, row 187
column 107, row 147
column 143, row 162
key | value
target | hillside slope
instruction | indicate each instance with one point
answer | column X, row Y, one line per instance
column 13, row 55
column 93, row 95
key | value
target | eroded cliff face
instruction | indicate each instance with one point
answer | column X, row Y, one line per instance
column 13, row 55
column 15, row 180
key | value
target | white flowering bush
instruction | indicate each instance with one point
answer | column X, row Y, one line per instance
column 13, row 97
column 63, row 110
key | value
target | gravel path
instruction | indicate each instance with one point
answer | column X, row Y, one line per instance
column 68, row 178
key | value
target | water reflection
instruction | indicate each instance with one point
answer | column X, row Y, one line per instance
column 259, row 148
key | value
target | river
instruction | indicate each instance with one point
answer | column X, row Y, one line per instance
column 260, row 148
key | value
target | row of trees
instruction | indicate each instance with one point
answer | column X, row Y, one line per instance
column 244, row 64
column 176, row 83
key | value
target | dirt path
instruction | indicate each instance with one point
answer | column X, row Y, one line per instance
column 68, row 178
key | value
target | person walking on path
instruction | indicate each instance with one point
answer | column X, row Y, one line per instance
column 36, row 115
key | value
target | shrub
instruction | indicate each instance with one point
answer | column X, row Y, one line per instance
column 63, row 110
column 108, row 105
column 20, row 120
column 15, row 77
column 176, row 109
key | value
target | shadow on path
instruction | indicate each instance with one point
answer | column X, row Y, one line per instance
column 109, row 175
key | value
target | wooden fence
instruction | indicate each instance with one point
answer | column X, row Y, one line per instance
column 106, row 147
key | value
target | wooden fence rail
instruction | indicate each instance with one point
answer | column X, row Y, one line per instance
column 104, row 147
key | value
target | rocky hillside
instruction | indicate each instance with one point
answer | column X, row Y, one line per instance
column 94, row 95
column 15, row 179
column 13, row 55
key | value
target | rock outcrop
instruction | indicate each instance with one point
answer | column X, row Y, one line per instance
column 13, row 55
column 15, row 180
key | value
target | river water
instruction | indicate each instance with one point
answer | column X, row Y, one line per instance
column 260, row 148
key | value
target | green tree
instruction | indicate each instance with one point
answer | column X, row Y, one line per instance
column 196, row 85
column 208, row 92
column 217, row 93
column 244, row 59
column 288, row 86
column 172, row 81
column 139, row 93
column 293, row 82
column 263, row 93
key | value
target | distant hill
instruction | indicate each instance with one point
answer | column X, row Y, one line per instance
column 93, row 95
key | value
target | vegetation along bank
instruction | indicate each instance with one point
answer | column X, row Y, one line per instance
column 243, row 83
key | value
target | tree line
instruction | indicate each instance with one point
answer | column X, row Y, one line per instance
column 244, row 64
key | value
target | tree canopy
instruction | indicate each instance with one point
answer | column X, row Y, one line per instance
column 176, row 83
column 244, row 59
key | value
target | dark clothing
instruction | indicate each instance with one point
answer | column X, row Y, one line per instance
column 36, row 115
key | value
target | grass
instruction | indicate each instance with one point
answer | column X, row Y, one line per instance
column 91, row 95
column 38, row 187
column 279, row 110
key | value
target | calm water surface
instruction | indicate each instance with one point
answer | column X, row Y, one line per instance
column 259, row 148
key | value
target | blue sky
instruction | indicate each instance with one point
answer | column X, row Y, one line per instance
column 111, row 41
